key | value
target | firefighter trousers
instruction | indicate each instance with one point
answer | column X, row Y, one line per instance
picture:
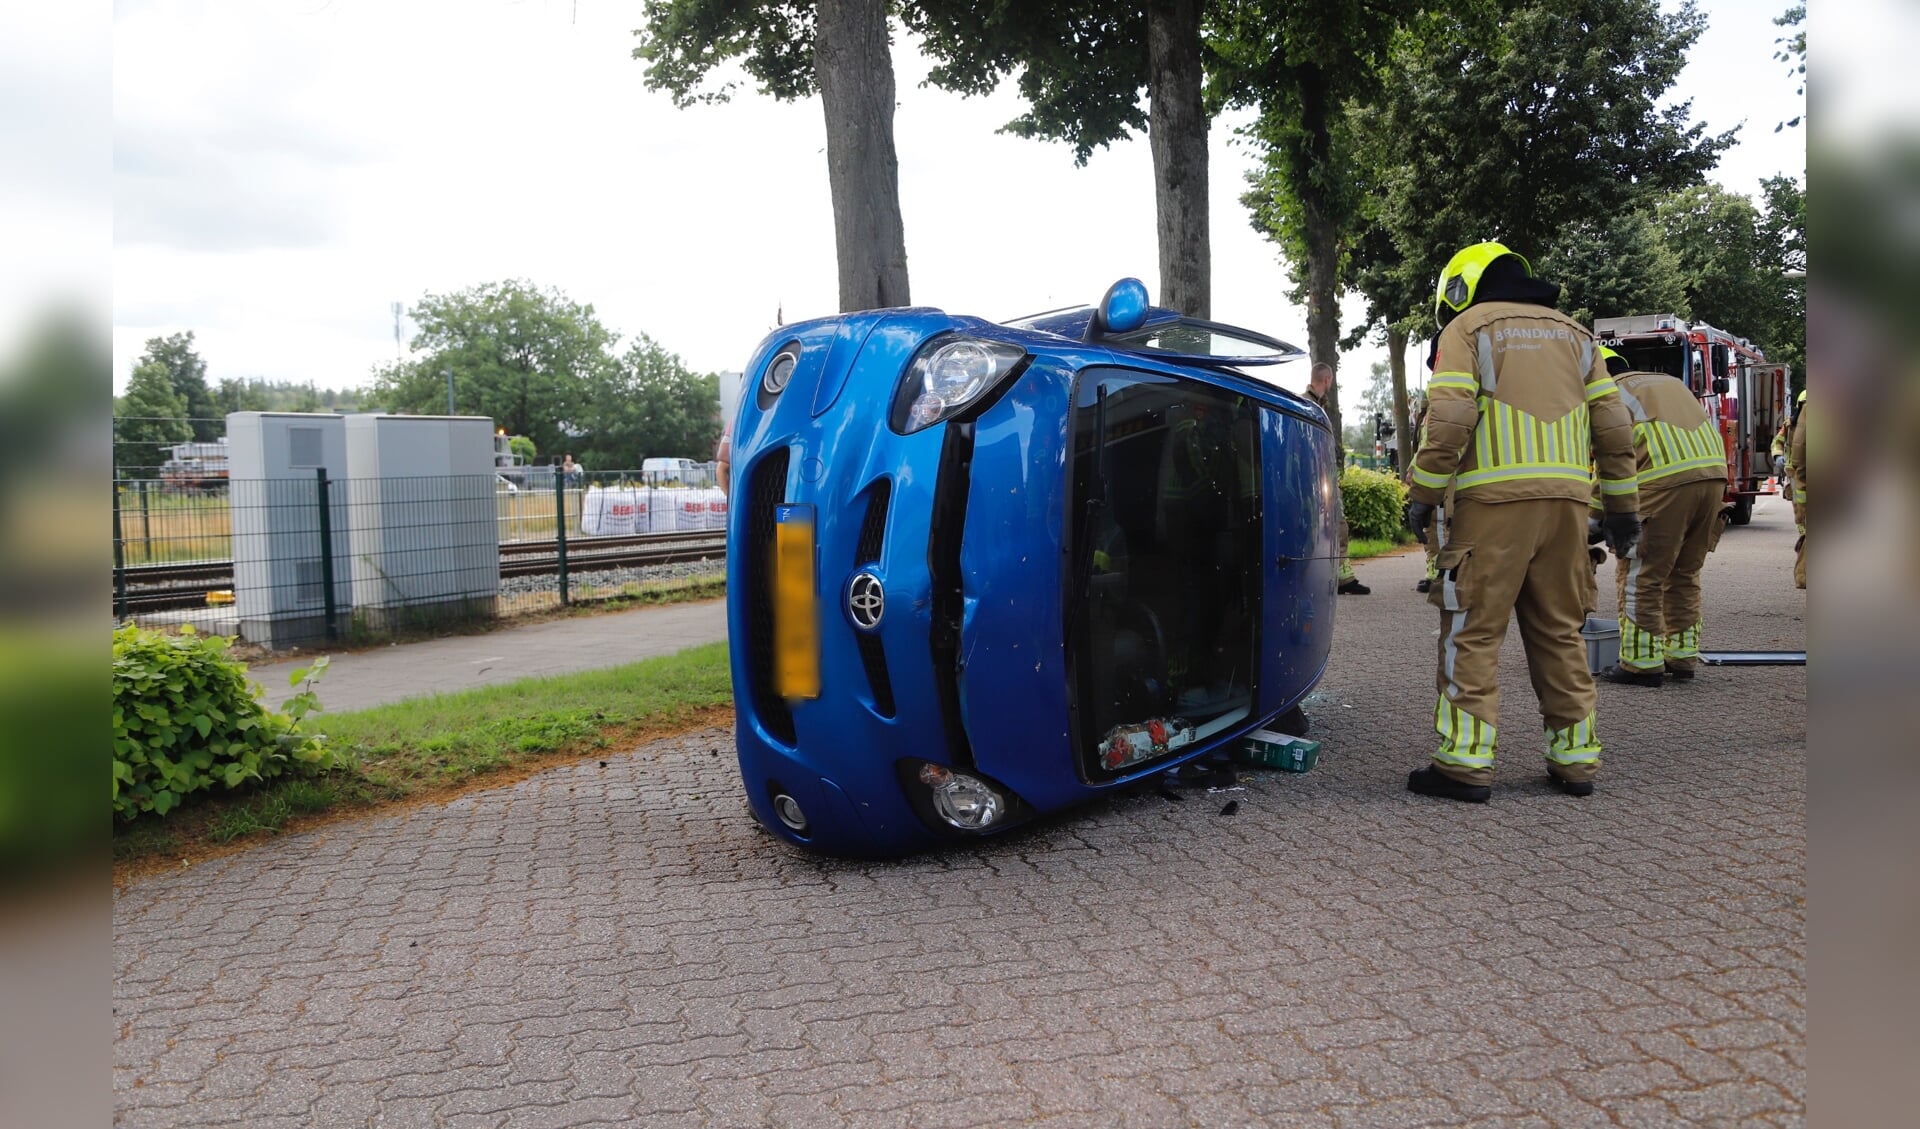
column 1436, row 532
column 1800, row 545
column 1501, row 559
column 1658, row 586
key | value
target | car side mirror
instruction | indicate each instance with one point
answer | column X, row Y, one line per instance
column 1720, row 385
column 1122, row 310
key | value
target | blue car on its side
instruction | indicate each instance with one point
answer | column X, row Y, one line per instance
column 981, row 571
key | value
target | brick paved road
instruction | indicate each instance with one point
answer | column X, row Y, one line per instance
column 618, row 944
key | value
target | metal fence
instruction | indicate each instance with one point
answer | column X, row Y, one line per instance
column 304, row 561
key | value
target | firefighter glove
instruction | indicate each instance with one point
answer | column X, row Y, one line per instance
column 1419, row 516
column 1596, row 532
column 1622, row 531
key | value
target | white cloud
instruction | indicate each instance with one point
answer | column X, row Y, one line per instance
column 286, row 170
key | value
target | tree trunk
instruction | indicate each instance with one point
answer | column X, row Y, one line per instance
column 854, row 67
column 1323, row 239
column 1177, row 133
column 1402, row 419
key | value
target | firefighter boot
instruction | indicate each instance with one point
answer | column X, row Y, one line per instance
column 1570, row 787
column 1625, row 677
column 1430, row 781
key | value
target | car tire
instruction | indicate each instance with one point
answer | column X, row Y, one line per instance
column 1742, row 510
column 1293, row 723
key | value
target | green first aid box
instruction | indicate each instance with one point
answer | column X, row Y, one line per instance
column 1283, row 751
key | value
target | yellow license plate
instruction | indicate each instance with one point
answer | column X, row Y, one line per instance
column 796, row 615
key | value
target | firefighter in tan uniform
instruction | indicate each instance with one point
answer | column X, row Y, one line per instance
column 1430, row 544
column 1797, row 468
column 1319, row 385
column 1519, row 411
column 1681, row 469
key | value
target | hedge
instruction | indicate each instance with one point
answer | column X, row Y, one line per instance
column 1376, row 503
column 185, row 719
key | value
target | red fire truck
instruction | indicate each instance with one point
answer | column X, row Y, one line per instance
column 1737, row 386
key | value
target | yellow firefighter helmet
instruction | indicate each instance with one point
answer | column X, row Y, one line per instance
column 1462, row 277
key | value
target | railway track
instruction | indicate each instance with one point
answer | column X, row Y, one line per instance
column 169, row 587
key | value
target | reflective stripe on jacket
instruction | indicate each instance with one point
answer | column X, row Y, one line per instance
column 1521, row 406
column 1797, row 456
column 1674, row 440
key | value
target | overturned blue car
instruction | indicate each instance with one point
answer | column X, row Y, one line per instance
column 978, row 572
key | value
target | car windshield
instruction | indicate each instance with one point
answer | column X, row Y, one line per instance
column 1654, row 356
column 1166, row 504
column 1204, row 339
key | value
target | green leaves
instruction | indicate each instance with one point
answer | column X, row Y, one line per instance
column 185, row 719
column 648, row 404
column 1621, row 265
column 1372, row 502
column 147, row 421
column 685, row 40
column 1526, row 119
column 545, row 368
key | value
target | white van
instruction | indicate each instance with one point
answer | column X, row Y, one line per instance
column 665, row 472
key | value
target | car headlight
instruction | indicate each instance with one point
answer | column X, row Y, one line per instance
column 966, row 802
column 778, row 374
column 949, row 375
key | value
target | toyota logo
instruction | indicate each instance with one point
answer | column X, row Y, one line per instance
column 866, row 601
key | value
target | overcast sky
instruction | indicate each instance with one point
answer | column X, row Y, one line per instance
column 285, row 170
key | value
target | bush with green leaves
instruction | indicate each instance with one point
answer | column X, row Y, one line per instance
column 1375, row 503
column 185, row 720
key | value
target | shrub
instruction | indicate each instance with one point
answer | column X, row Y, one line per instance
column 185, row 718
column 1376, row 503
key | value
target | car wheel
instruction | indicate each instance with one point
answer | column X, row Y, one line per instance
column 1742, row 509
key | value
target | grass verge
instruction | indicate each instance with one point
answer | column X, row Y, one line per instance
column 1360, row 548
column 434, row 748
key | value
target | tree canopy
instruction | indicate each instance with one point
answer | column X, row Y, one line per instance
column 544, row 367
column 187, row 374
column 1716, row 237
column 1617, row 266
column 1793, row 52
column 1522, row 127
column 519, row 354
column 258, row 395
column 148, row 419
column 1783, row 253
column 1303, row 64
column 1393, row 135
column 647, row 404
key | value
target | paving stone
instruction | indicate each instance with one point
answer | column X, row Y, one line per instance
column 620, row 945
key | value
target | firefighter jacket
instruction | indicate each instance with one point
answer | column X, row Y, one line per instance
column 1797, row 457
column 1339, row 446
column 1674, row 441
column 1521, row 406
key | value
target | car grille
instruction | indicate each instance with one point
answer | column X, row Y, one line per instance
column 766, row 490
column 873, row 653
column 949, row 585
